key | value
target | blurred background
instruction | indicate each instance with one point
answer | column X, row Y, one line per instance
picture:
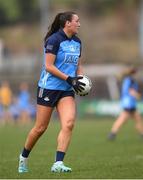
column 112, row 37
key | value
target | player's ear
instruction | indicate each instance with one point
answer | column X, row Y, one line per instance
column 68, row 23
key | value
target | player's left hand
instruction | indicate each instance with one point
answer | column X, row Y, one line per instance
column 75, row 83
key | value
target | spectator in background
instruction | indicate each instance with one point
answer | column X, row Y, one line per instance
column 5, row 100
column 32, row 110
column 23, row 101
column 129, row 97
column 14, row 110
column 1, row 114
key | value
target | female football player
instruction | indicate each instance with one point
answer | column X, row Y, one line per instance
column 129, row 97
column 62, row 64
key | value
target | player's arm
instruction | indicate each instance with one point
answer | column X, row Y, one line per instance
column 79, row 68
column 135, row 93
column 50, row 67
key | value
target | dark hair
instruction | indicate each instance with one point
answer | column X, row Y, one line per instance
column 128, row 71
column 59, row 22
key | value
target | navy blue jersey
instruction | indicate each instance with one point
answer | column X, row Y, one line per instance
column 127, row 100
column 67, row 51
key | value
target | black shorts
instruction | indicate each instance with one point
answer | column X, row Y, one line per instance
column 130, row 110
column 47, row 97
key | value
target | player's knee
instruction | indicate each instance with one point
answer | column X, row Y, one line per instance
column 40, row 130
column 70, row 124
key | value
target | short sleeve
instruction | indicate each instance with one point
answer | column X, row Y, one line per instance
column 52, row 45
column 127, row 82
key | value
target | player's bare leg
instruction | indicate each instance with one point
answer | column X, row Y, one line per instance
column 66, row 109
column 42, row 120
column 138, row 122
column 123, row 117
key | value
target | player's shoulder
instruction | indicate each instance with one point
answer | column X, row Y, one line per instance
column 53, row 40
column 76, row 38
column 127, row 78
column 54, row 37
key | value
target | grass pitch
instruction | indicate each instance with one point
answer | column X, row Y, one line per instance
column 90, row 154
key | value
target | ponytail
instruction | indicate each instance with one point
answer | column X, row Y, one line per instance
column 128, row 71
column 59, row 22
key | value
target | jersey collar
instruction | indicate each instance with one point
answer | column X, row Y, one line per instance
column 64, row 35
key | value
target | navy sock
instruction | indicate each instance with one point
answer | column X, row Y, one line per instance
column 60, row 156
column 25, row 152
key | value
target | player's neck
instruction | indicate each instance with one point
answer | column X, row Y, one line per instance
column 68, row 33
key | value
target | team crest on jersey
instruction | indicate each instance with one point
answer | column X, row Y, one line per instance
column 72, row 48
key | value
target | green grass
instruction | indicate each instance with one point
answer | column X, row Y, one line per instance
column 90, row 154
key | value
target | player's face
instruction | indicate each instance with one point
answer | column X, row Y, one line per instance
column 74, row 24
